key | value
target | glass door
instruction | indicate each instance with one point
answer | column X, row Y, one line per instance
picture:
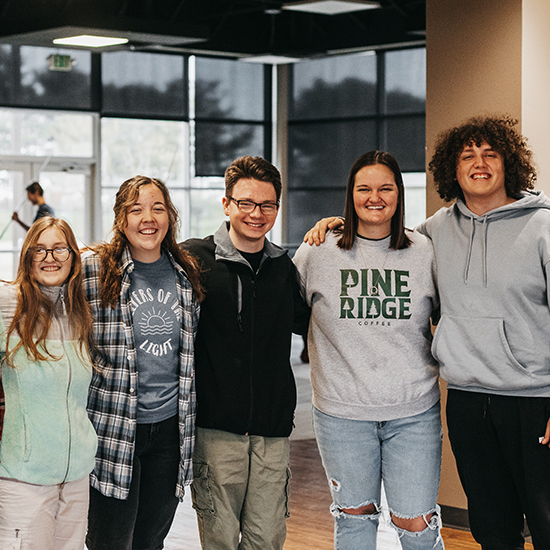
column 67, row 189
column 12, row 199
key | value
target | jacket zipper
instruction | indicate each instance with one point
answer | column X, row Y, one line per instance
column 251, row 371
column 68, row 385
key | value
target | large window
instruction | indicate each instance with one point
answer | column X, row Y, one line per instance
column 227, row 113
column 230, row 113
column 342, row 107
column 183, row 119
column 26, row 79
column 45, row 133
column 56, row 149
column 144, row 85
column 153, row 148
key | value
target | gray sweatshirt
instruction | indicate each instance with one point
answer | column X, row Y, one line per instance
column 369, row 335
column 494, row 283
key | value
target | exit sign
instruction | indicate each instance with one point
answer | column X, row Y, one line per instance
column 58, row 62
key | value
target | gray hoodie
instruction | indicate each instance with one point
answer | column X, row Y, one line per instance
column 493, row 275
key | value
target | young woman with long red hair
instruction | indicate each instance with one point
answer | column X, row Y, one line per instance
column 48, row 443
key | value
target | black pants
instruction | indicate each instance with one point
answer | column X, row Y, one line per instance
column 504, row 469
column 143, row 520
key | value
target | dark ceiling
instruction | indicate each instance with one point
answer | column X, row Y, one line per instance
column 229, row 27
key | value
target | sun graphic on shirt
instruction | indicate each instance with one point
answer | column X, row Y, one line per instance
column 155, row 323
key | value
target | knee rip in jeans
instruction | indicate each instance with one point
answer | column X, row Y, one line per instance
column 366, row 510
column 426, row 525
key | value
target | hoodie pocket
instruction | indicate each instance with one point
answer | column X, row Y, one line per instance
column 475, row 352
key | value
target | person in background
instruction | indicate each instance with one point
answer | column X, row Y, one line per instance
column 35, row 194
column 48, row 444
column 246, row 393
column 376, row 411
column 144, row 292
column 492, row 248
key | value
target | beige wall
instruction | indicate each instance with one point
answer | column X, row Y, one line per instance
column 486, row 57
column 535, row 79
column 473, row 65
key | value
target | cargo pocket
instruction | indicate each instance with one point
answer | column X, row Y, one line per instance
column 201, row 493
column 287, row 490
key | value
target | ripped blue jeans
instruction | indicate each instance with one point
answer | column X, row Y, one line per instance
column 405, row 453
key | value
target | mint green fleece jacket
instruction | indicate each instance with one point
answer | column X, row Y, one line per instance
column 47, row 437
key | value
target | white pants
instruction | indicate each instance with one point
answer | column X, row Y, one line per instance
column 43, row 517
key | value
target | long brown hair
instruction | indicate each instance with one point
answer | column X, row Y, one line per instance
column 110, row 253
column 34, row 310
column 398, row 239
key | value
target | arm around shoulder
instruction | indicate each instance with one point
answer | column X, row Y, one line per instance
column 316, row 235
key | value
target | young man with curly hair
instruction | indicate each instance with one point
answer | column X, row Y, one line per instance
column 492, row 342
column 492, row 249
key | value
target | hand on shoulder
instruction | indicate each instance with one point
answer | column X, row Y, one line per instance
column 316, row 235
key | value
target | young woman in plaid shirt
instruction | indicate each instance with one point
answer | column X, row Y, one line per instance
column 144, row 292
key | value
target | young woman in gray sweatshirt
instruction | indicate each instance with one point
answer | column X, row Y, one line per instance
column 375, row 383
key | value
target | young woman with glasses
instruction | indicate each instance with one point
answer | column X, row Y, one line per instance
column 48, row 443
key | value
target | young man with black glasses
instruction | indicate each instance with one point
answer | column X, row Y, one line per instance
column 246, row 394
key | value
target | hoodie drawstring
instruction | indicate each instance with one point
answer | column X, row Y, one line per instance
column 483, row 250
column 470, row 247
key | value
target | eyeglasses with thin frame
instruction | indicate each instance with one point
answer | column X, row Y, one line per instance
column 247, row 206
column 59, row 253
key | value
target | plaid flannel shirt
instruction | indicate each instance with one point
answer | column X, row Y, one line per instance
column 112, row 400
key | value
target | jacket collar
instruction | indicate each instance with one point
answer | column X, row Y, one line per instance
column 56, row 294
column 225, row 249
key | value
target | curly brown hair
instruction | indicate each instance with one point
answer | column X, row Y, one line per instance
column 110, row 254
column 499, row 133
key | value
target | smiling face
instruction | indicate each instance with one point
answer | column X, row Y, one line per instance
column 52, row 272
column 248, row 230
column 375, row 197
column 480, row 174
column 147, row 224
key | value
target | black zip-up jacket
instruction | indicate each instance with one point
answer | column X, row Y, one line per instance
column 244, row 380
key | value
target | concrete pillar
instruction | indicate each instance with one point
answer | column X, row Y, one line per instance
column 486, row 57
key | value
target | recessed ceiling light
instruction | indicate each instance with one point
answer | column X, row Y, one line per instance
column 271, row 59
column 332, row 7
column 89, row 41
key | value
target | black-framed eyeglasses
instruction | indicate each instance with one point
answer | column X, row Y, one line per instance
column 247, row 207
column 59, row 253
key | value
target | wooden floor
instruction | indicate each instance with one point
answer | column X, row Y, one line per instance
column 310, row 525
